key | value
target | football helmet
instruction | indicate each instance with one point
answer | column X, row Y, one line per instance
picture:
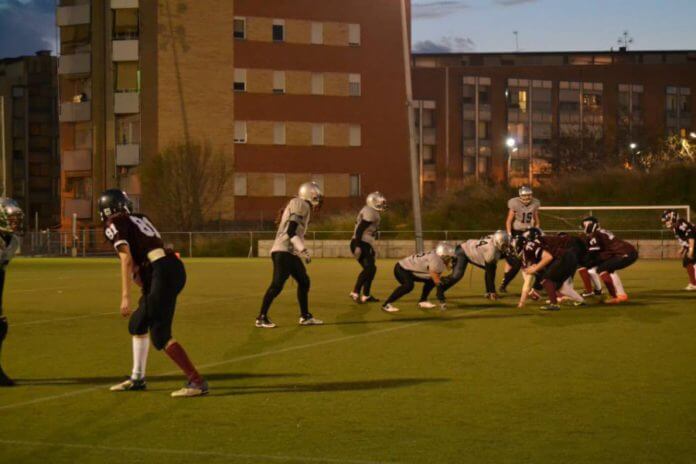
column 445, row 250
column 525, row 194
column 533, row 233
column 669, row 218
column 312, row 194
column 113, row 201
column 377, row 201
column 11, row 216
column 501, row 241
column 590, row 224
column 517, row 245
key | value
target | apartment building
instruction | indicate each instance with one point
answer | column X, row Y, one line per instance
column 508, row 116
column 31, row 170
column 287, row 91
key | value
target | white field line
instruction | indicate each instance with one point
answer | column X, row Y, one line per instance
column 180, row 452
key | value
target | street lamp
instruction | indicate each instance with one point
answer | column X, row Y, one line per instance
column 511, row 145
column 633, row 146
column 692, row 135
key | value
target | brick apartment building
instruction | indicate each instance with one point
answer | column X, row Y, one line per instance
column 288, row 91
column 470, row 104
column 31, row 173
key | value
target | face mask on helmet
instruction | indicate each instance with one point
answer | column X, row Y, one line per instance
column 12, row 216
column 311, row 193
column 525, row 194
column 114, row 201
column 376, row 201
column 501, row 240
column 669, row 218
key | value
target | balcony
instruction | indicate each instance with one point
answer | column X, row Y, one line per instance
column 124, row 50
column 77, row 160
column 75, row 112
column 116, row 4
column 78, row 63
column 80, row 206
column 126, row 102
column 127, row 155
column 72, row 15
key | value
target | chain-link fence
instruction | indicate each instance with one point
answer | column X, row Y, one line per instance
column 245, row 243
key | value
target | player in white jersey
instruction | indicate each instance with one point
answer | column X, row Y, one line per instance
column 523, row 214
column 362, row 246
column 483, row 253
column 289, row 251
column 423, row 267
column 11, row 219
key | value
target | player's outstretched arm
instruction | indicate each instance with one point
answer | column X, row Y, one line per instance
column 690, row 253
column 537, row 221
column 546, row 259
column 126, row 278
column 526, row 288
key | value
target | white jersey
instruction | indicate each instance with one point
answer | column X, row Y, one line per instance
column 372, row 216
column 423, row 264
column 8, row 248
column 524, row 214
column 482, row 251
column 297, row 211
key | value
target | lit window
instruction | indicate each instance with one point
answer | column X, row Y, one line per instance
column 279, row 82
column 279, row 133
column 278, row 30
column 240, row 80
column 354, row 34
column 240, row 132
column 354, row 85
column 240, row 185
column 355, row 136
column 317, row 134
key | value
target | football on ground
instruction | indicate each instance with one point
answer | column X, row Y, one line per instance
column 480, row 382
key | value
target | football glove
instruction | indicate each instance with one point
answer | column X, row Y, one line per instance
column 304, row 254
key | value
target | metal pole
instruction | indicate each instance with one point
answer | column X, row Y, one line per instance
column 2, row 145
column 190, row 244
column 415, row 190
column 251, row 244
column 84, row 242
column 73, row 252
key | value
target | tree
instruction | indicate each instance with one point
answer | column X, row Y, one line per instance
column 667, row 150
column 184, row 183
column 578, row 151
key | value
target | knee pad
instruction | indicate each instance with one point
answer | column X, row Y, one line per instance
column 3, row 328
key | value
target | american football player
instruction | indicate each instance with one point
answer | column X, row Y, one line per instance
column 685, row 232
column 523, row 213
column 422, row 267
column 11, row 221
column 289, row 251
column 161, row 274
column 363, row 246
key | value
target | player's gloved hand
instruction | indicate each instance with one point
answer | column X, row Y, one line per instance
column 304, row 254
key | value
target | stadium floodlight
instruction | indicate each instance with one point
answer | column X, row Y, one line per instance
column 633, row 145
column 511, row 142
column 692, row 135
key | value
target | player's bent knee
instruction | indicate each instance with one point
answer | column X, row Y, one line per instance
column 160, row 338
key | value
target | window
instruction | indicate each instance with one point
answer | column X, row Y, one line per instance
column 354, row 85
column 319, row 180
column 240, row 132
column 278, row 30
column 428, row 118
column 317, row 134
column 125, row 23
column 240, row 28
column 279, row 133
column 355, row 185
column 127, row 130
column 317, row 33
column 240, row 185
column 279, row 82
column 317, row 84
column 355, row 136
column 240, row 76
column 354, row 34
column 428, row 154
column 127, row 76
column 279, row 187
column 17, row 91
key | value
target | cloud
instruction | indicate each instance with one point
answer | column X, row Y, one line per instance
column 513, row 2
column 27, row 26
column 445, row 45
column 437, row 9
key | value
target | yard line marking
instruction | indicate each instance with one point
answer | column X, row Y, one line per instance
column 180, row 452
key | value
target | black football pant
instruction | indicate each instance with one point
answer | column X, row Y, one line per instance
column 4, row 380
column 286, row 264
column 155, row 312
column 616, row 263
column 365, row 255
column 458, row 269
column 561, row 269
column 406, row 280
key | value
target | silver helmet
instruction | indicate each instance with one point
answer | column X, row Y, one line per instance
column 525, row 194
column 377, row 201
column 310, row 192
column 501, row 241
column 11, row 216
column 445, row 250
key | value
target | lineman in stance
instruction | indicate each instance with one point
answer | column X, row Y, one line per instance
column 289, row 251
column 685, row 232
column 362, row 246
column 11, row 220
column 423, row 267
column 162, row 277
column 483, row 253
column 523, row 213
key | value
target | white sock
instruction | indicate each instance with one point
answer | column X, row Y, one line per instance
column 141, row 346
column 617, row 283
column 596, row 281
column 568, row 290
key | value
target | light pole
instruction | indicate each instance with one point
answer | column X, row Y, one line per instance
column 633, row 146
column 2, row 146
column 511, row 145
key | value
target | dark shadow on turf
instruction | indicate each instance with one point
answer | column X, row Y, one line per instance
column 157, row 378
column 356, row 385
column 443, row 318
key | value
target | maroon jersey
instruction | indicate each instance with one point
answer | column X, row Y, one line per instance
column 532, row 253
column 684, row 231
column 136, row 231
column 607, row 246
column 556, row 245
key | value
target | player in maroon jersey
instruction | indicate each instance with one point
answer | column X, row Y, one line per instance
column 610, row 255
column 162, row 277
column 685, row 232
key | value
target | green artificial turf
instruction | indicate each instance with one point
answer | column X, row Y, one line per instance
column 480, row 382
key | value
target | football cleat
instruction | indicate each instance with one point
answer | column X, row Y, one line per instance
column 191, row 389
column 579, row 303
column 502, row 289
column 426, row 305
column 310, row 320
column 129, row 385
column 263, row 322
column 618, row 300
column 550, row 307
column 690, row 288
column 389, row 308
column 355, row 297
column 534, row 295
column 443, row 305
column 592, row 293
column 370, row 299
column 5, row 381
